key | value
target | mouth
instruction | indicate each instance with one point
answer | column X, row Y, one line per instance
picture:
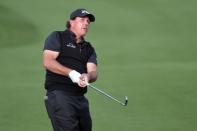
column 85, row 29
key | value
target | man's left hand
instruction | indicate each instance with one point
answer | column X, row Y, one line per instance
column 84, row 80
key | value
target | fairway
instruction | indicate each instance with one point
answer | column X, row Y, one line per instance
column 146, row 50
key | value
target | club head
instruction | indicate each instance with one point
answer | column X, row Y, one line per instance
column 126, row 101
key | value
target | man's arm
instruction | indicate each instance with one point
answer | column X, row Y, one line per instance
column 51, row 64
column 90, row 76
column 92, row 72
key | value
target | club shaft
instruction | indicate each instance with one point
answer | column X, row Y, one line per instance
column 104, row 93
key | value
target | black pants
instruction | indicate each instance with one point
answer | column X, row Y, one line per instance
column 68, row 113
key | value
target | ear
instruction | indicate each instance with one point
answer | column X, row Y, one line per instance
column 71, row 22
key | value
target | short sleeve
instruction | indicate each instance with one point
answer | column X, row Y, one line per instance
column 93, row 58
column 52, row 42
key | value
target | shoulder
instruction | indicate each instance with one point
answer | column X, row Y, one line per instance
column 92, row 54
column 52, row 42
column 90, row 47
column 53, row 35
column 88, row 44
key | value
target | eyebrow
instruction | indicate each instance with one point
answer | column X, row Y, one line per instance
column 85, row 17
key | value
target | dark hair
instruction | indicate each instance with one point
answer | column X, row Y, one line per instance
column 68, row 24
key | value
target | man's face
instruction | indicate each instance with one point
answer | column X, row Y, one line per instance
column 80, row 26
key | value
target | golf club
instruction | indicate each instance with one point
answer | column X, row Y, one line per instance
column 109, row 96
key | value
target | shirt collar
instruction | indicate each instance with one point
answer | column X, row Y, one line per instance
column 73, row 36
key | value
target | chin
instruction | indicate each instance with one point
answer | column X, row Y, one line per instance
column 83, row 34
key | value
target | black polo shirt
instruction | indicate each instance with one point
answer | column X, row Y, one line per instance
column 72, row 55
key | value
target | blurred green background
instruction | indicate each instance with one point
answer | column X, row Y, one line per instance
column 146, row 50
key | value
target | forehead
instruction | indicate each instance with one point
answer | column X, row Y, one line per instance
column 83, row 17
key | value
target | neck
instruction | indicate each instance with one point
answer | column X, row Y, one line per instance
column 78, row 39
column 77, row 36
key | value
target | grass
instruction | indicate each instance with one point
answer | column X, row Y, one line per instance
column 15, row 29
column 146, row 50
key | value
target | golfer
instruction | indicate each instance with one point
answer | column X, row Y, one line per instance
column 70, row 63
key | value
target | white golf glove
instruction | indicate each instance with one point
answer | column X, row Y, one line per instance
column 74, row 76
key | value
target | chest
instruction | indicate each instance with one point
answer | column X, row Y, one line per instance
column 72, row 50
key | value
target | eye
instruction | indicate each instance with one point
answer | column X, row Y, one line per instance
column 88, row 21
column 85, row 19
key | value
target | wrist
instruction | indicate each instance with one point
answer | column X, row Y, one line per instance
column 88, row 77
